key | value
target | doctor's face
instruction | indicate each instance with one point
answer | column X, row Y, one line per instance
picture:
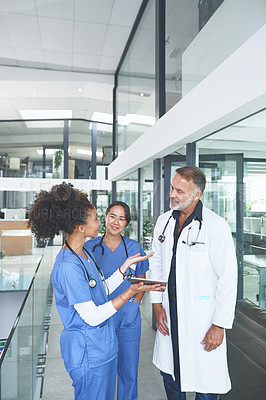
column 183, row 194
column 115, row 220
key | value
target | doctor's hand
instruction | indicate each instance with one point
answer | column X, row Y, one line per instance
column 161, row 319
column 133, row 260
column 213, row 338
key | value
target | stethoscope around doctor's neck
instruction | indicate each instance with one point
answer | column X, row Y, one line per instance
column 92, row 281
column 100, row 244
column 189, row 242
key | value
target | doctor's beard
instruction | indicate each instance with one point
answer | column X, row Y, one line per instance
column 182, row 205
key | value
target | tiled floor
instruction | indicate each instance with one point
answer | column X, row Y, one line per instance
column 57, row 384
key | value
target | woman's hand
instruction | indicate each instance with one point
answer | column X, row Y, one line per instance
column 141, row 287
column 133, row 260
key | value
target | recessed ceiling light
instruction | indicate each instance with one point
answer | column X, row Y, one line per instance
column 79, row 90
column 34, row 89
column 54, row 118
column 141, row 94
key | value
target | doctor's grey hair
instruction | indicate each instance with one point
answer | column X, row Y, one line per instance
column 195, row 174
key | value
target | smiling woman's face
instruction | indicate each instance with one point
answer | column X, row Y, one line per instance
column 115, row 220
column 92, row 225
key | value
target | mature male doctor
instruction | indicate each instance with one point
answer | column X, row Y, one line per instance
column 194, row 252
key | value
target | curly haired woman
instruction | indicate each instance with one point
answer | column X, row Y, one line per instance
column 88, row 341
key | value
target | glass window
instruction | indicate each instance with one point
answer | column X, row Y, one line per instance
column 127, row 191
column 23, row 144
column 234, row 161
column 79, row 152
column 136, row 84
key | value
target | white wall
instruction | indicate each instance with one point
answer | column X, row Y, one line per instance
column 235, row 89
column 36, row 184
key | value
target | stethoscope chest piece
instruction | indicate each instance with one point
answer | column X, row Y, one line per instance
column 92, row 283
column 161, row 238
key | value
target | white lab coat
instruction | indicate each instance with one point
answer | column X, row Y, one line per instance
column 206, row 282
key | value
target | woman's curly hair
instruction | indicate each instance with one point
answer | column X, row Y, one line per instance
column 61, row 209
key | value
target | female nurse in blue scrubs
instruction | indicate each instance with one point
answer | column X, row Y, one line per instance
column 110, row 251
column 88, row 341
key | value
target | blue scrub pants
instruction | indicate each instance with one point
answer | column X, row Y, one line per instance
column 96, row 383
column 127, row 363
column 173, row 388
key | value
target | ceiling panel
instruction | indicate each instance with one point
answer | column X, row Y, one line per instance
column 40, row 103
column 86, row 61
column 113, row 46
column 23, row 30
column 124, row 12
column 18, row 6
column 63, row 9
column 7, row 56
column 89, row 37
column 85, row 36
column 79, row 103
column 62, row 103
column 93, row 11
column 108, row 63
column 4, row 40
column 9, row 114
column 58, row 58
column 21, row 103
column 28, row 55
column 56, row 34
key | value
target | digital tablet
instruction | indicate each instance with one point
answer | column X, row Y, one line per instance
column 149, row 282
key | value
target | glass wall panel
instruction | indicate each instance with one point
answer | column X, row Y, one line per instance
column 234, row 161
column 136, row 84
column 103, row 199
column 22, row 148
column 200, row 35
column 79, row 152
column 127, row 191
column 34, row 149
column 171, row 163
column 80, row 149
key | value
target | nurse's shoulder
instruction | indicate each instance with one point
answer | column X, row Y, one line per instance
column 133, row 246
column 65, row 261
column 89, row 244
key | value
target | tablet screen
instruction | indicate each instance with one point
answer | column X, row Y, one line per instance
column 148, row 282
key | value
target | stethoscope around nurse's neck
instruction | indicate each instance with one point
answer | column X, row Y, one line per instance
column 100, row 244
column 92, row 281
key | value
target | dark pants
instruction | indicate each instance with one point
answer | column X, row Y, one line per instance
column 173, row 388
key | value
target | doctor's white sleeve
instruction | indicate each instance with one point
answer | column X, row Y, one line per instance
column 156, row 263
column 94, row 315
column 223, row 259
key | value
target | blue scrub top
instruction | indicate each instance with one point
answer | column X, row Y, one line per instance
column 112, row 260
column 71, row 286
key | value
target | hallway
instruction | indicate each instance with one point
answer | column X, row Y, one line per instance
column 57, row 384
